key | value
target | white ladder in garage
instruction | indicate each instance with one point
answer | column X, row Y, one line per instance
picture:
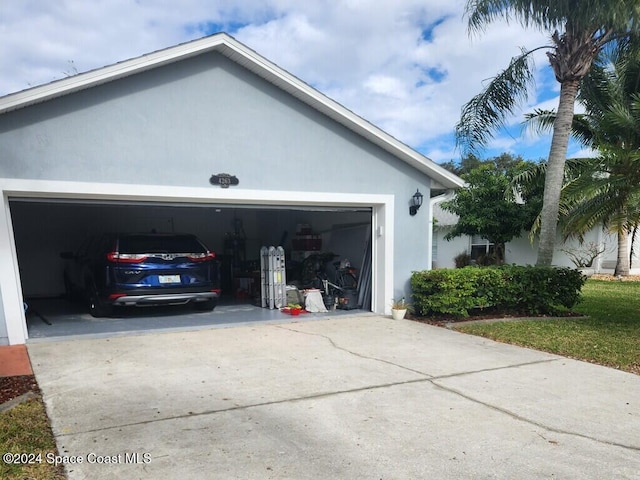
column 273, row 278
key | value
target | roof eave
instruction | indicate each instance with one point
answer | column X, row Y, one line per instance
column 346, row 117
column 101, row 75
column 254, row 62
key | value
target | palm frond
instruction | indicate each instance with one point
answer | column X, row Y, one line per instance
column 541, row 122
column 526, row 182
column 487, row 111
column 602, row 18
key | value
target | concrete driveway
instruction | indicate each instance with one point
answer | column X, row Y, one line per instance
column 361, row 397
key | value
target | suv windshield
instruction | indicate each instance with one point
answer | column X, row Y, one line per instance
column 160, row 244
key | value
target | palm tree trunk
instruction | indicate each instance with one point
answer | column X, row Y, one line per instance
column 555, row 171
column 632, row 249
column 622, row 263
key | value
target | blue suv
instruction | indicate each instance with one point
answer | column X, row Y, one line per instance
column 142, row 269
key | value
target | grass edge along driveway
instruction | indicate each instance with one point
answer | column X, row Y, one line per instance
column 609, row 335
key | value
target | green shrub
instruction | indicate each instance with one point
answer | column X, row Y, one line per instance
column 507, row 288
column 541, row 289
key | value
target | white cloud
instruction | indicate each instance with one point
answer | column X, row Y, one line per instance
column 405, row 65
column 577, row 152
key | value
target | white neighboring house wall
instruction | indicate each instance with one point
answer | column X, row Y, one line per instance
column 434, row 203
column 521, row 251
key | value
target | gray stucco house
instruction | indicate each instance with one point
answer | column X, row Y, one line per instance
column 134, row 146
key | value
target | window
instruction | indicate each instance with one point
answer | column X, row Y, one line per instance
column 480, row 248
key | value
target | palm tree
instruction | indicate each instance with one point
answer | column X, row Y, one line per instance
column 605, row 189
column 609, row 196
column 579, row 29
column 611, row 95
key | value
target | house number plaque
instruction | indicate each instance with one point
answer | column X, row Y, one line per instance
column 224, row 180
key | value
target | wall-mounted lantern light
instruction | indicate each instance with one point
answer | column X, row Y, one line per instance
column 416, row 202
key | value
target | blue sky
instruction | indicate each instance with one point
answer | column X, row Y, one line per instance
column 407, row 66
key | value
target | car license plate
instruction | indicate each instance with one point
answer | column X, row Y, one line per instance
column 169, row 278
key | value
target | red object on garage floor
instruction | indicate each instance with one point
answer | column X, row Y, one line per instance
column 14, row 361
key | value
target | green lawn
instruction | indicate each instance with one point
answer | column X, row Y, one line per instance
column 610, row 335
column 25, row 430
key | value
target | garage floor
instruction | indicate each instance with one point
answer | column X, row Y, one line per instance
column 52, row 318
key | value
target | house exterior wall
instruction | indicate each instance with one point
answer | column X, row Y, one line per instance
column 176, row 125
column 4, row 335
column 447, row 250
column 521, row 251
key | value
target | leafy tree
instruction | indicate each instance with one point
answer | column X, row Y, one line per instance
column 503, row 162
column 465, row 165
column 579, row 30
column 484, row 209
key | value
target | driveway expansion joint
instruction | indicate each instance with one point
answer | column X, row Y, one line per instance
column 493, row 369
column 245, row 407
column 520, row 418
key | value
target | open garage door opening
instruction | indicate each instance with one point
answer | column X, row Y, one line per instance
column 319, row 243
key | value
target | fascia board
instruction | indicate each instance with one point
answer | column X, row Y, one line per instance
column 105, row 74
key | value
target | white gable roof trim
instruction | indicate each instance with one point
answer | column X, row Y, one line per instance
column 239, row 53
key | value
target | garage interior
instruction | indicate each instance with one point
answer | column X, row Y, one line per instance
column 44, row 228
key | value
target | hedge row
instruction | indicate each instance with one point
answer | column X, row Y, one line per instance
column 507, row 288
